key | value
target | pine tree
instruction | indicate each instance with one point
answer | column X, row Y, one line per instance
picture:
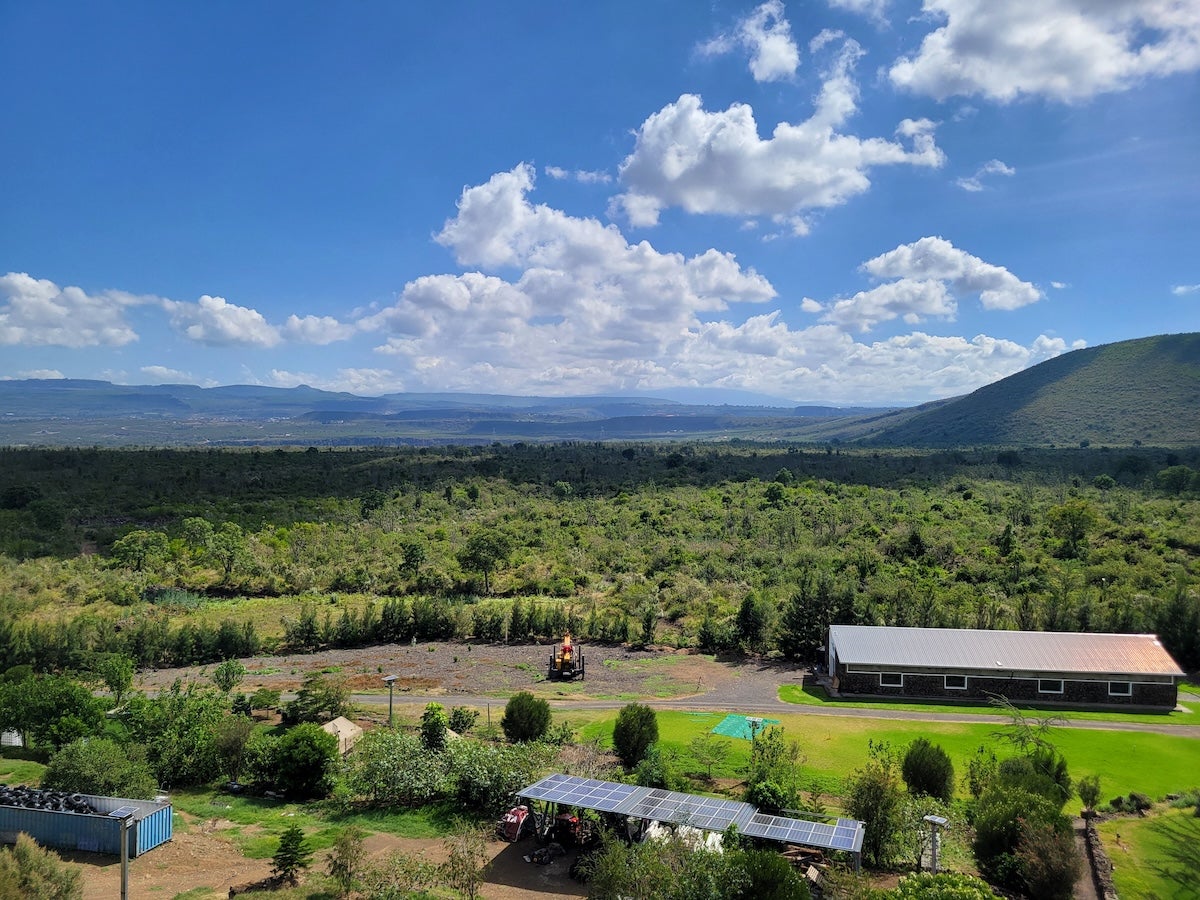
column 293, row 854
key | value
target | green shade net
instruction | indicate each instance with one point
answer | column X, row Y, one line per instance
column 744, row 727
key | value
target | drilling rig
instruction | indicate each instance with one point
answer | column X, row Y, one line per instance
column 566, row 661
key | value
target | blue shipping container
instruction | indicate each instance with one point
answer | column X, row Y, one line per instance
column 150, row 826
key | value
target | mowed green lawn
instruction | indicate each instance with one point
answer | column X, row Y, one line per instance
column 1187, row 713
column 1155, row 857
column 834, row 747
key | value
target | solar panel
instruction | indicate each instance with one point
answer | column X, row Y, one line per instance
column 845, row 835
column 588, row 793
column 706, row 813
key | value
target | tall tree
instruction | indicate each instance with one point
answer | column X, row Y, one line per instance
column 484, row 552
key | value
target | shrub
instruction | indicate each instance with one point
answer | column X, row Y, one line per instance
column 1001, row 817
column 1049, row 862
column 927, row 769
column 304, row 760
column 1089, row 791
column 943, row 886
column 391, row 767
column 463, row 719
column 434, row 724
column 874, row 798
column 100, row 766
column 768, row 876
column 27, row 870
column 526, row 718
column 1138, row 802
column 636, row 729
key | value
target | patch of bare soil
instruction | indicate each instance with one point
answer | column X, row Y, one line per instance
column 613, row 672
column 189, row 860
column 196, row 859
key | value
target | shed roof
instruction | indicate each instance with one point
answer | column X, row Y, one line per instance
column 1023, row 651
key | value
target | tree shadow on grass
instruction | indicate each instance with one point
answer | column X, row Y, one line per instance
column 1179, row 862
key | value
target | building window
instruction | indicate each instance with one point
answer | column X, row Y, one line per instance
column 956, row 682
column 891, row 679
column 1050, row 686
column 1120, row 689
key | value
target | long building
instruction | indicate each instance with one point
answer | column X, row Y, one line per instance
column 1130, row 670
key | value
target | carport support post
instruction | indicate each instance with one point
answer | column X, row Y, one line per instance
column 125, row 813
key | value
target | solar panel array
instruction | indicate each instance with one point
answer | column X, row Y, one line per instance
column 845, row 835
column 706, row 813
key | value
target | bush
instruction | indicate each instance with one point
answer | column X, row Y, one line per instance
column 1001, row 817
column 768, row 876
column 391, row 767
column 1049, row 862
column 100, row 766
column 874, row 798
column 485, row 776
column 434, row 724
column 927, row 769
column 1089, row 791
column 463, row 719
column 1138, row 802
column 26, row 870
column 304, row 761
column 526, row 718
column 635, row 731
column 943, row 886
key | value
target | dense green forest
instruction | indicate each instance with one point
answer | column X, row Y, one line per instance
column 192, row 556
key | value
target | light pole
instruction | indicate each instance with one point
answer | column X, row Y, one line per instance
column 124, row 814
column 390, row 680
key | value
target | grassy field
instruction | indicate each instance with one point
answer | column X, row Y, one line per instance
column 835, row 747
column 255, row 823
column 816, row 696
column 16, row 767
column 1155, row 857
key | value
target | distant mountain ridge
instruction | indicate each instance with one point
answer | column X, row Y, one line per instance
column 80, row 411
column 1145, row 390
column 1139, row 391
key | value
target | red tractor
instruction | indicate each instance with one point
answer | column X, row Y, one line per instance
column 566, row 662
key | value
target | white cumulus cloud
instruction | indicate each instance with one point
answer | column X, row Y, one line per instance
column 316, row 329
column 1067, row 50
column 567, row 305
column 166, row 375
column 715, row 162
column 875, row 10
column 974, row 183
column 37, row 312
column 216, row 321
column 1182, row 290
column 766, row 34
column 930, row 275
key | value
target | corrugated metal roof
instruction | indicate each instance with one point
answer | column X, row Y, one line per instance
column 1024, row 651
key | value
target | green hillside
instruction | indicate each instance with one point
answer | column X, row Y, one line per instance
column 1146, row 390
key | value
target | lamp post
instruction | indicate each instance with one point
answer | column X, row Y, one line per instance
column 935, row 823
column 124, row 814
column 390, row 680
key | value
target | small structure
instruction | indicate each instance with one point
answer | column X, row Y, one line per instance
column 347, row 733
column 1130, row 670
column 149, row 824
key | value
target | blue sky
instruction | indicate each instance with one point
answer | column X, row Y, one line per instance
column 849, row 201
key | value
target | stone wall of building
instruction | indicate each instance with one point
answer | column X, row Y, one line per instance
column 1022, row 690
